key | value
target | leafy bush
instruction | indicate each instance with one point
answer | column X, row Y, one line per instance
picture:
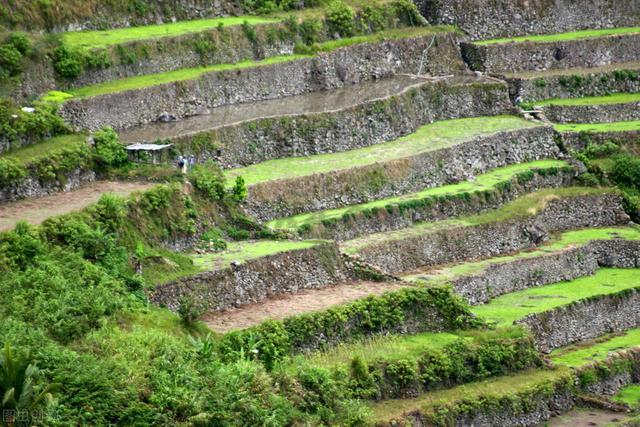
column 626, row 171
column 340, row 18
column 109, row 151
column 310, row 31
column 208, row 179
column 10, row 61
column 20, row 41
column 239, row 191
column 407, row 13
column 67, row 62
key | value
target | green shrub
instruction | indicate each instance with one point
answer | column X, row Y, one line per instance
column 67, row 62
column 239, row 191
column 10, row 61
column 340, row 19
column 310, row 31
column 208, row 179
column 626, row 171
column 11, row 172
column 407, row 12
column 190, row 310
column 374, row 18
column 109, row 151
column 20, row 41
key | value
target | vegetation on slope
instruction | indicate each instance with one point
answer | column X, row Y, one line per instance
column 506, row 309
column 615, row 98
column 427, row 138
column 573, row 35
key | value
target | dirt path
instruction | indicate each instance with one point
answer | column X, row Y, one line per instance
column 37, row 210
column 581, row 417
column 292, row 304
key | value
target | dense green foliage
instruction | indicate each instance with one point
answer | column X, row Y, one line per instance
column 17, row 126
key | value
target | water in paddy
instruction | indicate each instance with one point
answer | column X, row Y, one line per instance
column 317, row 102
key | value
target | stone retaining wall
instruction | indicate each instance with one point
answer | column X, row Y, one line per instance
column 394, row 218
column 32, row 187
column 256, row 280
column 585, row 319
column 158, row 55
column 346, row 129
column 582, row 83
column 601, row 113
column 326, row 71
column 286, row 197
column 568, row 264
column 530, row 56
column 580, row 140
column 486, row 19
column 468, row 243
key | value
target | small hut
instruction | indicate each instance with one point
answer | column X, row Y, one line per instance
column 149, row 153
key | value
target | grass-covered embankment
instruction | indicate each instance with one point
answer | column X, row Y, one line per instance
column 506, row 309
column 430, row 137
column 569, row 36
column 482, row 183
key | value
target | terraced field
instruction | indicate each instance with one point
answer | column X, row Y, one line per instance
column 321, row 214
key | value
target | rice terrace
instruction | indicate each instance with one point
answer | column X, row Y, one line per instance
column 320, row 213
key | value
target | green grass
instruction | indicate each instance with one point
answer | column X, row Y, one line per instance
column 525, row 206
column 565, row 240
column 629, row 126
column 504, row 386
column 617, row 98
column 139, row 82
column 43, row 149
column 573, row 35
column 483, row 182
column 584, row 353
column 629, row 395
column 427, row 138
column 245, row 251
column 506, row 309
column 105, row 38
column 397, row 347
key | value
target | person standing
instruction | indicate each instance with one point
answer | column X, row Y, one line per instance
column 182, row 164
column 192, row 162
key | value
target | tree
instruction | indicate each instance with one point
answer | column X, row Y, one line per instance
column 20, row 388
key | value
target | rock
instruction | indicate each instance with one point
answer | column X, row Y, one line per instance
column 166, row 117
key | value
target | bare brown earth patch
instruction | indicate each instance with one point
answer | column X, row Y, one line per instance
column 35, row 211
column 288, row 305
column 587, row 417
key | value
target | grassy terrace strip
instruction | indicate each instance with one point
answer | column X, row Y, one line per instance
column 506, row 309
column 492, row 390
column 139, row 82
column 629, row 395
column 43, row 149
column 409, row 310
column 430, row 361
column 578, row 355
column 245, row 251
column 103, row 38
column 573, row 35
column 427, row 138
column 525, row 206
column 618, row 98
column 564, row 241
column 488, row 181
column 630, row 126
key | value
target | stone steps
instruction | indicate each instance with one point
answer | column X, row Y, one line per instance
column 141, row 100
column 530, row 86
column 480, row 193
column 537, row 53
column 569, row 256
column 325, row 122
column 436, row 154
column 522, row 224
column 603, row 109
